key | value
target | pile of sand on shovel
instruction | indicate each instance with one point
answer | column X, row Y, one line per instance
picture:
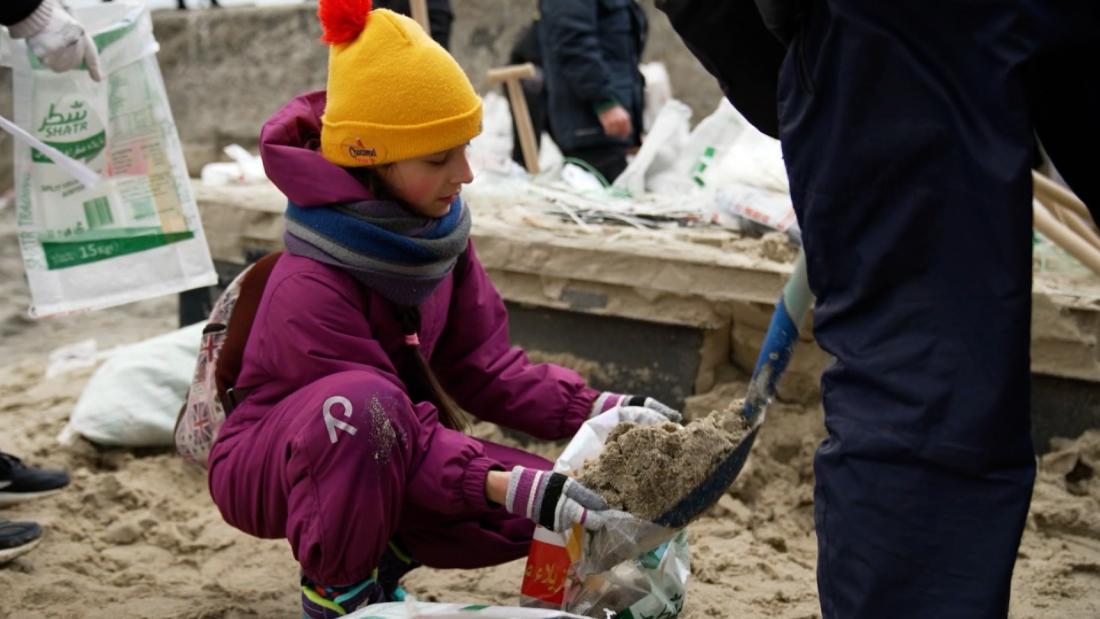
column 647, row 470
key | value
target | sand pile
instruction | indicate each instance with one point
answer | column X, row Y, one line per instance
column 647, row 470
column 136, row 534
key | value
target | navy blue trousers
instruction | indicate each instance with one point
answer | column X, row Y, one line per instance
column 908, row 132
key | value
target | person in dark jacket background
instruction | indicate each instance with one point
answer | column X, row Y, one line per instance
column 908, row 132
column 590, row 51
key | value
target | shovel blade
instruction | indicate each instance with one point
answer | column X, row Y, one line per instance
column 707, row 493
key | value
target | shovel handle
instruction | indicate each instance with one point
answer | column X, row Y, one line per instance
column 775, row 353
column 779, row 342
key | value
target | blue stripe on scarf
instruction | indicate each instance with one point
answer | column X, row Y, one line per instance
column 447, row 223
column 363, row 237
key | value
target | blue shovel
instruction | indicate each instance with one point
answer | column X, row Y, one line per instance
column 775, row 353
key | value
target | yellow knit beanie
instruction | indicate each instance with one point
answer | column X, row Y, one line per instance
column 393, row 92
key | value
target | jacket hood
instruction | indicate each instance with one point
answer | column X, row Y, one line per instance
column 290, row 143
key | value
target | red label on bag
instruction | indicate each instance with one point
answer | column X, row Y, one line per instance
column 547, row 563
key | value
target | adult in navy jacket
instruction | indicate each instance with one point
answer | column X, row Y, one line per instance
column 908, row 130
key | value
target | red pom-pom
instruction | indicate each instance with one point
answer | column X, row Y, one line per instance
column 342, row 20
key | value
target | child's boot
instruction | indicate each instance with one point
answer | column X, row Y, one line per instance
column 392, row 567
column 321, row 602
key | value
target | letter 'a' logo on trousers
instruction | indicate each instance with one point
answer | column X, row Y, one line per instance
column 332, row 424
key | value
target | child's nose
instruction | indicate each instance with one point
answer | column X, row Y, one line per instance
column 462, row 172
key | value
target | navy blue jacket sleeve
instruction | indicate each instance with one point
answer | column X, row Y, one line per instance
column 14, row 11
column 731, row 41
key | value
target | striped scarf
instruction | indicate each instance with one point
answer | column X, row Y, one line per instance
column 400, row 255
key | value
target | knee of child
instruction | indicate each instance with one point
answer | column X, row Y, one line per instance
column 363, row 405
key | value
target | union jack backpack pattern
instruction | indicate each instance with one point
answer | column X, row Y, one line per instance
column 211, row 395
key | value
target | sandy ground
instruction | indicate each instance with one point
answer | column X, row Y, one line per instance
column 137, row 536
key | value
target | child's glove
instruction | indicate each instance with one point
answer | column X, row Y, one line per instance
column 609, row 400
column 641, row 416
column 57, row 39
column 552, row 500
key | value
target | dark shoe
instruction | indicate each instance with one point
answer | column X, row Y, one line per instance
column 321, row 602
column 392, row 567
column 19, row 482
column 17, row 538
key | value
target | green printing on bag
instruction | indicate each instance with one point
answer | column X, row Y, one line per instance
column 63, row 254
column 103, row 39
column 98, row 213
column 704, row 160
column 85, row 149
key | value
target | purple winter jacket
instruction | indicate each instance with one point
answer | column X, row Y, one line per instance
column 314, row 320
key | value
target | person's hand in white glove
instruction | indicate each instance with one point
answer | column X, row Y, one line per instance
column 609, row 400
column 557, row 502
column 58, row 40
column 642, row 416
column 553, row 500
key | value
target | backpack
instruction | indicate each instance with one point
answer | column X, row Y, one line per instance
column 214, row 393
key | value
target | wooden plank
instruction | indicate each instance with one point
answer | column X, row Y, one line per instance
column 420, row 14
column 1064, row 237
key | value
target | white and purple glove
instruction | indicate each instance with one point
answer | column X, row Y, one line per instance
column 553, row 500
column 609, row 400
column 58, row 40
column 642, row 416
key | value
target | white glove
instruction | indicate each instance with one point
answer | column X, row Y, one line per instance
column 669, row 413
column 58, row 40
column 609, row 400
column 643, row 416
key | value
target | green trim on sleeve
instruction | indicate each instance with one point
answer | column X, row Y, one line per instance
column 605, row 105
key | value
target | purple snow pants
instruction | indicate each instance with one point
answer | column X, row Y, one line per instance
column 339, row 486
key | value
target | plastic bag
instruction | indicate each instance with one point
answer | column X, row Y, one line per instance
column 491, row 150
column 245, row 169
column 760, row 207
column 134, row 235
column 753, row 159
column 660, row 149
column 708, row 141
column 412, row 609
column 641, row 571
column 133, row 399
column 658, row 91
column 724, row 148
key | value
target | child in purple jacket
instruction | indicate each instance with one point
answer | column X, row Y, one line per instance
column 373, row 325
